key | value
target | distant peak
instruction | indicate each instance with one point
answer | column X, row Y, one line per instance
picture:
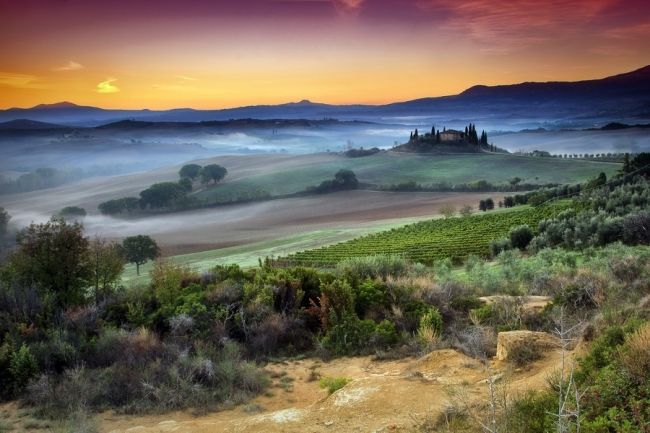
column 303, row 102
column 64, row 104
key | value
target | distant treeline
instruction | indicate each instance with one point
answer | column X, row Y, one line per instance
column 478, row 186
column 605, row 157
column 41, row 178
column 357, row 153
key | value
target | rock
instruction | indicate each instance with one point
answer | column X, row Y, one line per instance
column 328, row 423
column 508, row 340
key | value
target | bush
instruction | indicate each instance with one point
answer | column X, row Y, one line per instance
column 22, row 367
column 521, row 236
column 634, row 355
column 430, row 327
column 499, row 245
column 353, row 336
column 379, row 266
column 333, row 384
column 523, row 354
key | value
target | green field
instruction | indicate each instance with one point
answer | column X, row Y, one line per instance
column 429, row 241
column 248, row 255
column 392, row 168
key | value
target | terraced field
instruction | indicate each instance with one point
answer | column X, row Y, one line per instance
column 429, row 241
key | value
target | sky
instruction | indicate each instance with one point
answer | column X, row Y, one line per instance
column 215, row 53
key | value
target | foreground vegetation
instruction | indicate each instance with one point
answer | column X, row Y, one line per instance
column 74, row 341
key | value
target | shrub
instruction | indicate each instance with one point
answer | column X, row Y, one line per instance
column 521, row 236
column 379, row 266
column 634, row 355
column 523, row 354
column 636, row 229
column 499, row 245
column 352, row 336
column 333, row 384
column 22, row 367
column 430, row 327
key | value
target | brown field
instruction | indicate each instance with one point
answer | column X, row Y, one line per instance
column 231, row 225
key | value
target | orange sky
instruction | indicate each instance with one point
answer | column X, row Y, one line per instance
column 214, row 54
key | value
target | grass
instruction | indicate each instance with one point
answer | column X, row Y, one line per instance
column 391, row 168
column 333, row 384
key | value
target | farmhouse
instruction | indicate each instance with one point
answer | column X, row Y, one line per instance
column 452, row 135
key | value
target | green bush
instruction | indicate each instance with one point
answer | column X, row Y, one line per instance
column 521, row 236
column 353, row 336
column 333, row 384
column 499, row 245
column 22, row 367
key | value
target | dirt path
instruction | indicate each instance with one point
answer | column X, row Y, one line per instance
column 381, row 397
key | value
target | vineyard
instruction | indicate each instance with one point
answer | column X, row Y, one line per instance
column 429, row 241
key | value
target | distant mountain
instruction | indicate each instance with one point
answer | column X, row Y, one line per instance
column 624, row 97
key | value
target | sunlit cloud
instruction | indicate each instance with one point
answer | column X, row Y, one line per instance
column 20, row 81
column 108, row 86
column 70, row 66
column 516, row 24
column 348, row 6
column 185, row 78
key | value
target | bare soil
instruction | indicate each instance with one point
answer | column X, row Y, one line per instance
column 382, row 396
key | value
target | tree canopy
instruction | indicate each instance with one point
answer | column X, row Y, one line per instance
column 53, row 257
column 139, row 250
column 161, row 195
column 190, row 171
column 213, row 173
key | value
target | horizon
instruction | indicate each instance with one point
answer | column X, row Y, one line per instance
column 214, row 55
column 305, row 100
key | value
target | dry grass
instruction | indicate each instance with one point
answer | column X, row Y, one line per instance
column 635, row 354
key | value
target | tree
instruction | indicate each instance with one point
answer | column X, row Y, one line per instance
column 489, row 204
column 514, row 181
column 640, row 164
column 160, row 195
column 508, row 201
column 139, row 250
column 521, row 236
column 482, row 205
column 106, row 266
column 72, row 212
column 213, row 172
column 190, row 171
column 186, row 184
column 4, row 222
column 114, row 207
column 54, row 257
column 346, row 179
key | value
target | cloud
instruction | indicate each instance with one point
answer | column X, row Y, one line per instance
column 185, row 78
column 70, row 66
column 348, row 7
column 20, row 81
column 108, row 86
column 516, row 24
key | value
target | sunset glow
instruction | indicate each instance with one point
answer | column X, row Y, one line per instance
column 214, row 54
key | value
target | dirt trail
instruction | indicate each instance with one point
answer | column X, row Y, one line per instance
column 383, row 396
